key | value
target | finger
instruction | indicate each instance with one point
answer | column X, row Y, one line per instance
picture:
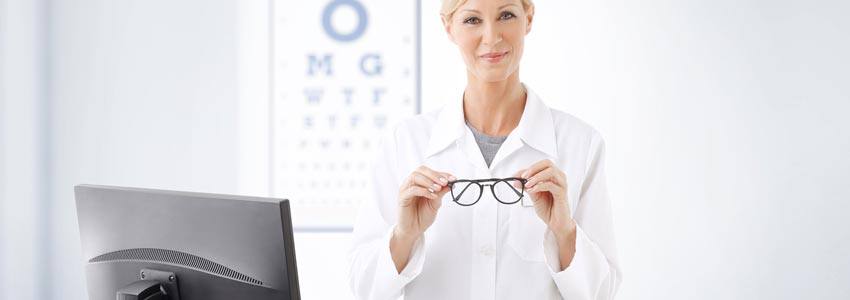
column 516, row 183
column 416, row 191
column 518, row 174
column 537, row 167
column 442, row 192
column 547, row 186
column 549, row 174
column 438, row 177
column 433, row 200
column 436, row 203
column 420, row 179
column 447, row 176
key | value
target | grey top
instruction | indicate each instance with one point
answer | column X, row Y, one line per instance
column 488, row 144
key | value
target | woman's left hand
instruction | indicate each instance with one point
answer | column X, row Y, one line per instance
column 547, row 186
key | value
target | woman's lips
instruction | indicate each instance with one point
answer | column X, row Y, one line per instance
column 494, row 57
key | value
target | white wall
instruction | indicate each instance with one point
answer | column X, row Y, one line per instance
column 731, row 135
column 144, row 93
column 727, row 135
column 22, row 167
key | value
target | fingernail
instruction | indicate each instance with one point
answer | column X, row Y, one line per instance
column 443, row 180
column 525, row 175
column 452, row 178
column 431, row 190
column 432, row 194
column 435, row 187
column 528, row 184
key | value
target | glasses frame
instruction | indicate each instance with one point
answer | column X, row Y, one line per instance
column 481, row 184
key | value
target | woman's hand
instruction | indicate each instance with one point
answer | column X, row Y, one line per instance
column 420, row 196
column 547, row 186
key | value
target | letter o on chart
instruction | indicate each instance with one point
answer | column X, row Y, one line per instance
column 328, row 14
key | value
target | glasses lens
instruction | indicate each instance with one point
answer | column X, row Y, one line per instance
column 466, row 193
column 508, row 191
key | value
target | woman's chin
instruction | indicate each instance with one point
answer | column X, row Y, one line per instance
column 493, row 75
column 494, row 72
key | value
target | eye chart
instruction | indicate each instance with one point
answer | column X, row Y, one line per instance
column 344, row 70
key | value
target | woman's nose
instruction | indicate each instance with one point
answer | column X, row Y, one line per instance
column 492, row 34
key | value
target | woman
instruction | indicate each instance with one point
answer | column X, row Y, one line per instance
column 493, row 196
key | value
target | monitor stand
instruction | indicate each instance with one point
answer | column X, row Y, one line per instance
column 153, row 285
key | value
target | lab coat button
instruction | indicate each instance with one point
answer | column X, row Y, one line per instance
column 487, row 250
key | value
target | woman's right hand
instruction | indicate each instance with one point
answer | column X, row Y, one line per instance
column 419, row 197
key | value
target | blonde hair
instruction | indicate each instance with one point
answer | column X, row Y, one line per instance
column 450, row 6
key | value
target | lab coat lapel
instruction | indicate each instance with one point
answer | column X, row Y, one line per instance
column 448, row 129
column 536, row 129
column 451, row 134
column 471, row 151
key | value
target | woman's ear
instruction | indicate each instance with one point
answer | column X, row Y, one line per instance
column 529, row 15
column 447, row 25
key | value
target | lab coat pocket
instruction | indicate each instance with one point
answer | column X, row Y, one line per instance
column 525, row 233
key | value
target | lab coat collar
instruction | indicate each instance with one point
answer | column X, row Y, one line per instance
column 535, row 128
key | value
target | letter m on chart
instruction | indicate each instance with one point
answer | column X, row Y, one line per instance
column 317, row 65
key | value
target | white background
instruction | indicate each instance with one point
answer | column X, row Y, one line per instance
column 725, row 124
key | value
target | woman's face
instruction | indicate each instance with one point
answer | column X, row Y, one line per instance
column 490, row 35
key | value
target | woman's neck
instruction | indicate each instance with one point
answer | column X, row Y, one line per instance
column 494, row 108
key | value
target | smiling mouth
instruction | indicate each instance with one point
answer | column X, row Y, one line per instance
column 494, row 57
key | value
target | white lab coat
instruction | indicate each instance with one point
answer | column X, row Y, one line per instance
column 489, row 250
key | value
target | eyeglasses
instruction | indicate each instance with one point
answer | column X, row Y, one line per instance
column 467, row 192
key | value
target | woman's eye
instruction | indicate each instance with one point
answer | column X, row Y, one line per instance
column 507, row 15
column 472, row 20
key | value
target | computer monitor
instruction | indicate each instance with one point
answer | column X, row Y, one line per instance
column 156, row 244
